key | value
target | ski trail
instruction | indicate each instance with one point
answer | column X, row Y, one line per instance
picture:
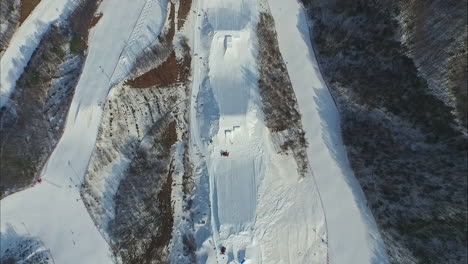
column 353, row 236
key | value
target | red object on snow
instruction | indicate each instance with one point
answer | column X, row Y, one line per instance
column 39, row 180
column 224, row 153
column 223, row 250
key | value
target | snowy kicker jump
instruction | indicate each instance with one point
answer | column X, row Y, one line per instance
column 231, row 78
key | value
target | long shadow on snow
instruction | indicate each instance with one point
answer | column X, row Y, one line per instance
column 331, row 135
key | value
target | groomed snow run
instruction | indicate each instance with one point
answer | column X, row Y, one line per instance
column 25, row 40
column 52, row 211
column 353, row 236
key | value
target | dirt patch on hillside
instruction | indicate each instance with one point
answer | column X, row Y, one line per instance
column 27, row 6
column 164, row 75
column 169, row 73
column 182, row 13
column 95, row 20
column 169, row 36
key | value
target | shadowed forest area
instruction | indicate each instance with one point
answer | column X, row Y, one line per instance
column 403, row 122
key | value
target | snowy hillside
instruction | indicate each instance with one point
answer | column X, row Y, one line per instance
column 173, row 131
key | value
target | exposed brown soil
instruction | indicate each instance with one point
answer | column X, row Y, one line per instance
column 95, row 20
column 170, row 135
column 164, row 75
column 171, row 31
column 27, row 6
column 184, row 9
column 169, row 73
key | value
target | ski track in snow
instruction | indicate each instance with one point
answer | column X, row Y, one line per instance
column 352, row 231
column 53, row 211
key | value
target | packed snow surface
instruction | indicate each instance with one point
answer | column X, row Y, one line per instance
column 53, row 211
column 353, row 236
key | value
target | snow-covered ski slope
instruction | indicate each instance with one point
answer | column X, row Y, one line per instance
column 53, row 211
column 232, row 79
column 352, row 232
column 261, row 210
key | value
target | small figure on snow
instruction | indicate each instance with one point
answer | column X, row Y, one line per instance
column 223, row 250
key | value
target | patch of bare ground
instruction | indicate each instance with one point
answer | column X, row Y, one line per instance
column 95, row 20
column 164, row 75
column 171, row 72
column 182, row 13
column 170, row 33
column 283, row 119
column 27, row 6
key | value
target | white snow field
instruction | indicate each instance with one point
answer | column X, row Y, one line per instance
column 353, row 236
column 261, row 210
column 52, row 210
column 25, row 40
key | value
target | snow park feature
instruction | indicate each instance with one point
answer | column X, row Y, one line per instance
column 260, row 209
